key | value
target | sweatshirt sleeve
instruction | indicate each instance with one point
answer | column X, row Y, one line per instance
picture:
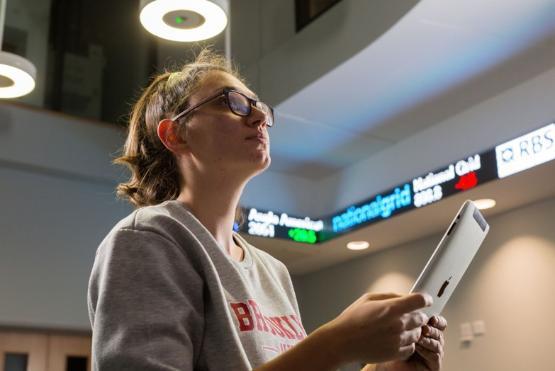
column 287, row 283
column 145, row 303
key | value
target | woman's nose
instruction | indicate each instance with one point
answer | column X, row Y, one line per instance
column 257, row 117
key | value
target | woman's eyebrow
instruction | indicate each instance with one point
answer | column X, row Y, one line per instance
column 248, row 94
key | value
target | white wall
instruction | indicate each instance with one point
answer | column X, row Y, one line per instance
column 50, row 227
column 57, row 197
column 510, row 285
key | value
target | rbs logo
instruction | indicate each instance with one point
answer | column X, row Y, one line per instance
column 526, row 151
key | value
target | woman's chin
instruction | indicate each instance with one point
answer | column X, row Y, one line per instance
column 267, row 163
column 263, row 162
column 260, row 163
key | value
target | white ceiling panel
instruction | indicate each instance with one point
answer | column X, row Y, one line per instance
column 519, row 21
column 437, row 48
column 309, row 141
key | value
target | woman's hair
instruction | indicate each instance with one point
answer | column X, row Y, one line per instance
column 155, row 176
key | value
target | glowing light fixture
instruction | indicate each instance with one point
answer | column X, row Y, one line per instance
column 17, row 74
column 358, row 245
column 184, row 20
column 484, row 203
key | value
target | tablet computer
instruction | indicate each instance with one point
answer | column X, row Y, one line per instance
column 452, row 256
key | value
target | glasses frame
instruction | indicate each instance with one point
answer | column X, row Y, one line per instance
column 226, row 91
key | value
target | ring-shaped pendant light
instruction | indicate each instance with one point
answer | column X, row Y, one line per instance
column 184, row 20
column 17, row 75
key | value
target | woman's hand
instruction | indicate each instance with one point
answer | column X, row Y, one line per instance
column 379, row 327
column 429, row 350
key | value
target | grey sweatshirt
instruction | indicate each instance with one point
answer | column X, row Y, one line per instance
column 164, row 295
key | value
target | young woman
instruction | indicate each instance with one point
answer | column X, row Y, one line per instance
column 174, row 288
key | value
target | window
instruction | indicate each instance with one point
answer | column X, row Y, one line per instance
column 15, row 362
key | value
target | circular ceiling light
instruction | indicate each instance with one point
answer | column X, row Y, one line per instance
column 17, row 75
column 484, row 203
column 184, row 20
column 358, row 245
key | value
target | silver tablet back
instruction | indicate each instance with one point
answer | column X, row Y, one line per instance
column 452, row 256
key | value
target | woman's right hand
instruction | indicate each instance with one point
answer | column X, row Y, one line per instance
column 379, row 327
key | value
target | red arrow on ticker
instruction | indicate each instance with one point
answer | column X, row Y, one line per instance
column 467, row 181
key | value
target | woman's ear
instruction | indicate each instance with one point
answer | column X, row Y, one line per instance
column 168, row 132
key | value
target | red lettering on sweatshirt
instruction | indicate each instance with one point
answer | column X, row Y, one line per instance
column 243, row 315
column 299, row 324
column 297, row 334
column 279, row 324
column 250, row 317
column 273, row 327
column 260, row 322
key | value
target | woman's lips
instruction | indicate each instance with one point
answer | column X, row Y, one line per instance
column 258, row 138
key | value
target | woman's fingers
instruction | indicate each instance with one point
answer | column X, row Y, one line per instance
column 406, row 351
column 438, row 322
column 410, row 337
column 414, row 320
column 434, row 333
column 432, row 359
column 410, row 303
column 431, row 344
column 381, row 296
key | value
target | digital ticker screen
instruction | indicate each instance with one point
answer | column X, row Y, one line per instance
column 508, row 158
column 421, row 191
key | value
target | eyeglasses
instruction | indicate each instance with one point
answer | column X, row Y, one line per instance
column 238, row 103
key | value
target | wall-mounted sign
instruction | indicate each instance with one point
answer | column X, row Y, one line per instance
column 303, row 235
column 526, row 151
column 377, row 208
column 269, row 224
column 454, row 178
column 429, row 188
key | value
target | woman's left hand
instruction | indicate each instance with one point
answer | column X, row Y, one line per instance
column 429, row 350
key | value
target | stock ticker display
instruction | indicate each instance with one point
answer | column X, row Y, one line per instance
column 508, row 158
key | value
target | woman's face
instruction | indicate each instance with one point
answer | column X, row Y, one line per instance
column 220, row 140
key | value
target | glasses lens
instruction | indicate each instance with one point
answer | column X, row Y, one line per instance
column 239, row 104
